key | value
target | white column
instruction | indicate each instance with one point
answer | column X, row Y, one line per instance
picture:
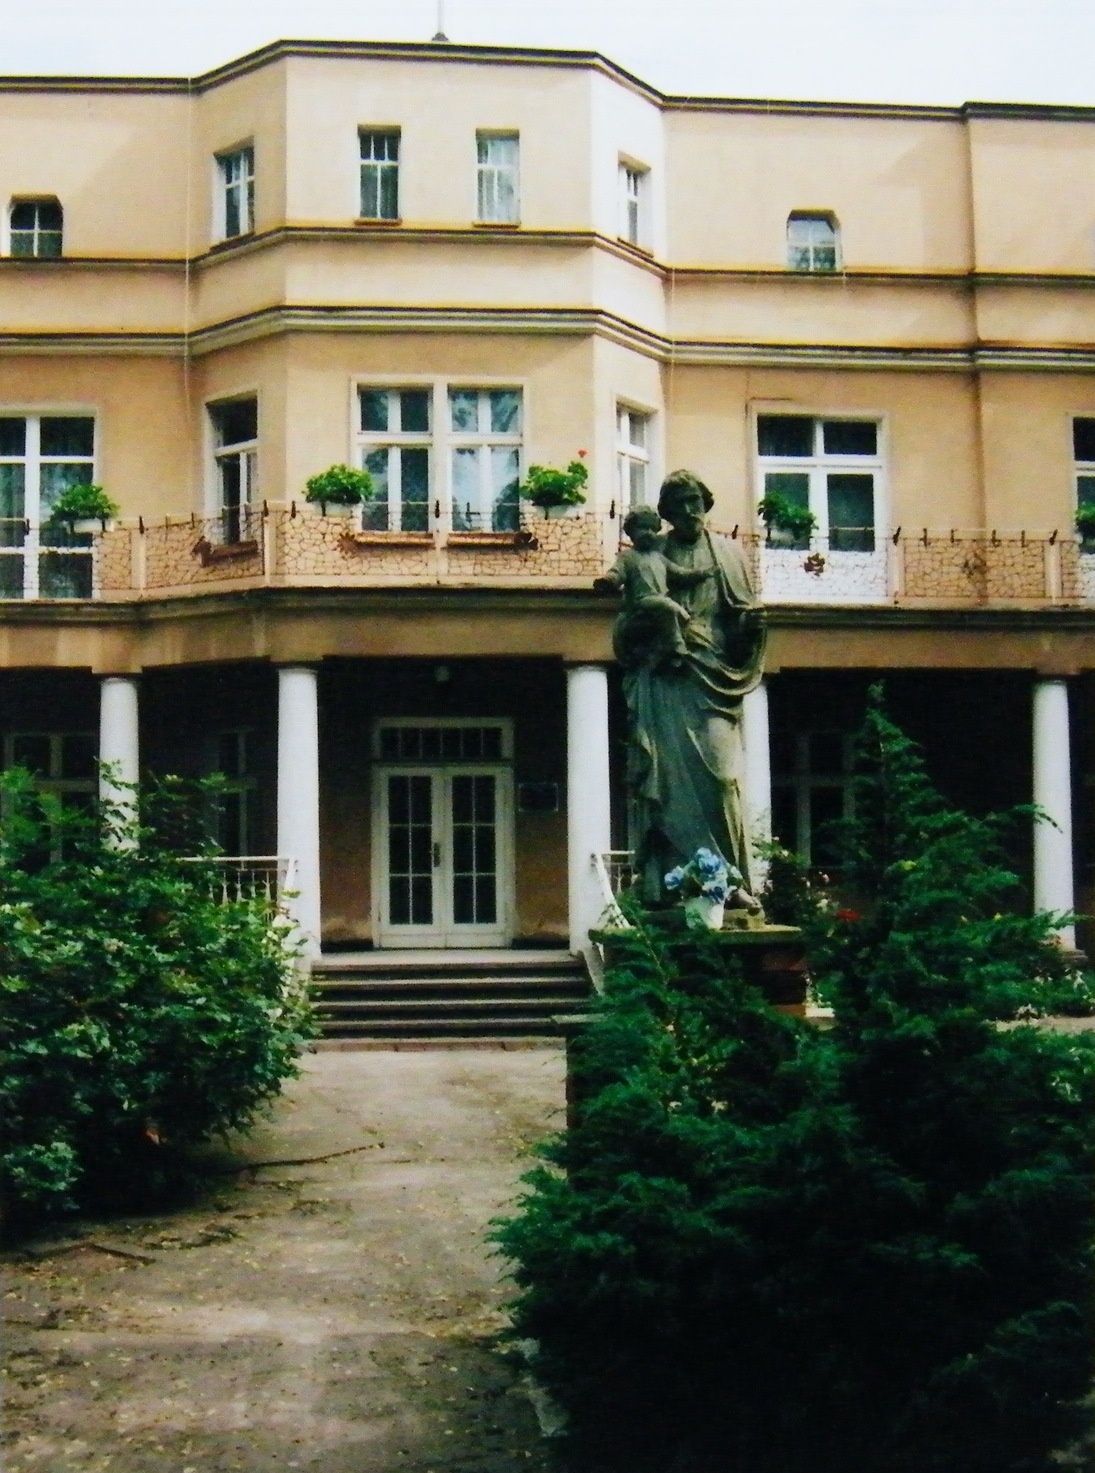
column 1053, row 885
column 758, row 777
column 589, row 819
column 298, row 794
column 119, row 744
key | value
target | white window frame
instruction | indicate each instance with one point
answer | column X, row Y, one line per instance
column 370, row 442
column 483, row 439
column 224, row 162
column 820, row 465
column 1082, row 470
column 32, row 461
column 383, row 167
column 246, row 452
column 630, row 453
column 9, row 229
column 503, row 723
column 814, row 248
column 489, row 177
column 634, row 203
column 443, row 440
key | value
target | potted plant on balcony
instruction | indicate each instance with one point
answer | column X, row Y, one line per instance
column 556, row 493
column 339, row 490
column 1085, row 525
column 85, row 508
column 783, row 516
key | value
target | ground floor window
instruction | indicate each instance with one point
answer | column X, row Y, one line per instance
column 830, row 467
column 233, row 763
column 811, row 788
column 41, row 456
column 632, row 456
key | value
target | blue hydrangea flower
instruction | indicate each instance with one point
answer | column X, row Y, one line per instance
column 715, row 890
column 708, row 863
column 674, row 878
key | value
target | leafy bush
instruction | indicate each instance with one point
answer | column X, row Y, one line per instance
column 767, row 1248
column 1085, row 520
column 84, row 503
column 780, row 514
column 339, row 484
column 140, row 1016
column 546, row 486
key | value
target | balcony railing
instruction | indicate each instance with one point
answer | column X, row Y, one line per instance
column 294, row 546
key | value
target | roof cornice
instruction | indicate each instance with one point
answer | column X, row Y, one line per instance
column 449, row 52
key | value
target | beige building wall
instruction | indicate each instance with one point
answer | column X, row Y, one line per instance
column 1033, row 193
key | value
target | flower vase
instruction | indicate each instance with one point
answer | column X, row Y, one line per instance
column 702, row 913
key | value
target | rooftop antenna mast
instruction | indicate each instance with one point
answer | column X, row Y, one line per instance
column 440, row 35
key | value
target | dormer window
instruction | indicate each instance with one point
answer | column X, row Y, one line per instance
column 36, row 227
column 813, row 242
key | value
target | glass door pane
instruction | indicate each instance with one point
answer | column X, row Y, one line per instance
column 410, row 849
column 474, row 849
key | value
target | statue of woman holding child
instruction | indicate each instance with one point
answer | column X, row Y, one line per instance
column 690, row 638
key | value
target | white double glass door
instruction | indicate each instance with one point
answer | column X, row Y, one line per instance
column 443, row 856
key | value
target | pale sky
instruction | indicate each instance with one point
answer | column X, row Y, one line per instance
column 929, row 51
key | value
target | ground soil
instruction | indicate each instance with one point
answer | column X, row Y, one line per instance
column 338, row 1315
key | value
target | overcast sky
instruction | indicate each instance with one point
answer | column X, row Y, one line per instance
column 942, row 51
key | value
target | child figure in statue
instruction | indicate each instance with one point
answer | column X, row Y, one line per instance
column 654, row 620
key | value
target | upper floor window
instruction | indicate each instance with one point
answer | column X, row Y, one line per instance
column 380, row 174
column 236, row 172
column 499, row 199
column 485, row 447
column 395, row 445
column 36, row 227
column 40, row 457
column 813, row 243
column 235, row 425
column 831, row 467
column 633, row 188
column 1083, row 452
column 632, row 456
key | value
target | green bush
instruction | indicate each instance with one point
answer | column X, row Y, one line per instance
column 139, row 1015
column 768, row 1248
column 339, row 484
column 546, row 487
column 83, row 503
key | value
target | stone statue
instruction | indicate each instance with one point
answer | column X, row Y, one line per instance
column 690, row 638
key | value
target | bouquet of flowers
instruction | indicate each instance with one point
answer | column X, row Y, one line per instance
column 706, row 874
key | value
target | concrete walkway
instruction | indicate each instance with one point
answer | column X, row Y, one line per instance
column 332, row 1315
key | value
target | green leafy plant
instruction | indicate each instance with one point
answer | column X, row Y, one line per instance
column 339, row 484
column 780, row 514
column 548, row 487
column 1085, row 520
column 139, row 1015
column 84, row 503
column 768, row 1248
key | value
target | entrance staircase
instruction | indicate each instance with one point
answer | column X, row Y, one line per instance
column 407, row 995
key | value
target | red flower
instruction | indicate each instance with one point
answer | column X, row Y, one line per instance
column 582, row 454
column 848, row 915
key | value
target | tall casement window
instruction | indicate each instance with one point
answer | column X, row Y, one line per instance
column 236, row 197
column 396, row 451
column 813, row 242
column 235, row 426
column 36, row 227
column 632, row 456
column 1083, row 452
column 62, row 764
column 833, row 467
column 499, row 198
column 485, row 448
column 379, row 174
column 811, row 788
column 233, row 762
column 633, row 203
column 40, row 457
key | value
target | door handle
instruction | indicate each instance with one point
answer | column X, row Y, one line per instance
column 436, row 855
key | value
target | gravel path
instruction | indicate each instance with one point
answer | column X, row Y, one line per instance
column 332, row 1316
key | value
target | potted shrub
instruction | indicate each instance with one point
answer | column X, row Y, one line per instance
column 783, row 516
column 556, row 493
column 85, row 509
column 1085, row 524
column 339, row 490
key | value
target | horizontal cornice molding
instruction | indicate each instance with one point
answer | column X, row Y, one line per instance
column 509, row 56
column 554, row 321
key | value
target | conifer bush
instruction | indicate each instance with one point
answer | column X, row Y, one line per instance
column 139, row 1015
column 769, row 1248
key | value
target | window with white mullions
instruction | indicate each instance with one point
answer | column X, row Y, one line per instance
column 1083, row 452
column 498, row 180
column 41, row 456
column 831, row 467
column 395, row 447
column 813, row 242
column 235, row 455
column 36, row 227
column 811, row 790
column 633, row 182
column 485, row 445
column 237, row 183
column 379, row 174
column 632, row 456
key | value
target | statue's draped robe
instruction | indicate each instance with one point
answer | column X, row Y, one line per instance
column 686, row 753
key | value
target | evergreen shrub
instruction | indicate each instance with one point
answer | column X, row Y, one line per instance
column 765, row 1247
column 139, row 1015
